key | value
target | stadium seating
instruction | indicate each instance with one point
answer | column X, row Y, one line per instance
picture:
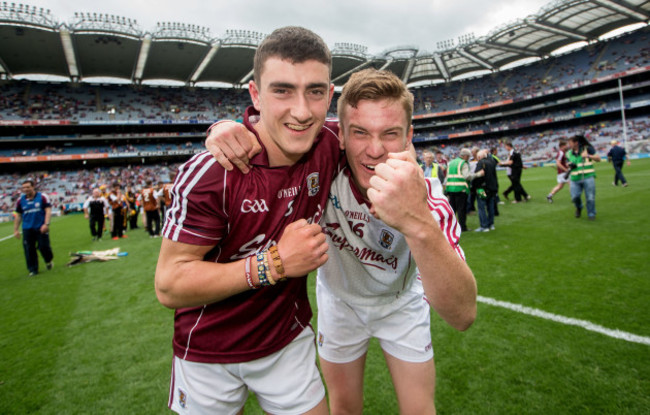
column 554, row 89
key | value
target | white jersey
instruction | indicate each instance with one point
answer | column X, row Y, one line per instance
column 370, row 262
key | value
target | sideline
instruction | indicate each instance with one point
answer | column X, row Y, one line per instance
column 617, row 334
column 7, row 237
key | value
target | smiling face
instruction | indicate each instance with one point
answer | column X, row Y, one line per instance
column 293, row 99
column 369, row 132
column 28, row 190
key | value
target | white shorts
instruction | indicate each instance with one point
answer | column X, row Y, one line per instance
column 561, row 178
column 402, row 327
column 285, row 382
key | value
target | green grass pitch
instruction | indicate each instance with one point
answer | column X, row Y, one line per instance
column 92, row 339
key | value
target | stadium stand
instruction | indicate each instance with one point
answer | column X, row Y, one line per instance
column 73, row 135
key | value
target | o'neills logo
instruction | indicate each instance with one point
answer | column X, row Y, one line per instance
column 366, row 256
column 289, row 192
column 313, row 185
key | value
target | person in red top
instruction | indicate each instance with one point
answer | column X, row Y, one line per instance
column 562, row 169
column 237, row 247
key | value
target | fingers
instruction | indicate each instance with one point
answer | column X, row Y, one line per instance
column 232, row 145
column 302, row 247
column 403, row 155
column 221, row 158
column 256, row 148
column 233, row 153
column 295, row 225
column 241, row 165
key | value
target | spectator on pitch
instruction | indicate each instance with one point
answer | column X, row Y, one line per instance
column 457, row 185
column 617, row 156
column 132, row 209
column 150, row 204
column 165, row 197
column 430, row 168
column 367, row 211
column 583, row 176
column 562, row 170
column 237, row 247
column 106, row 193
column 118, row 207
column 442, row 164
column 471, row 197
column 497, row 199
column 487, row 188
column 514, row 168
column 95, row 208
column 34, row 211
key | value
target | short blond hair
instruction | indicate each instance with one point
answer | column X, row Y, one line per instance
column 374, row 85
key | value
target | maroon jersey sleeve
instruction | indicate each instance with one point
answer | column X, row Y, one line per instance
column 196, row 215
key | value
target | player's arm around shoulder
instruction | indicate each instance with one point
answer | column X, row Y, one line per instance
column 231, row 144
column 184, row 279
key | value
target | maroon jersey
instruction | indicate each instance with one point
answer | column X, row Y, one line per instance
column 560, row 157
column 242, row 214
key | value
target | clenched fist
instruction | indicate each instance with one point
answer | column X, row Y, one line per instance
column 302, row 247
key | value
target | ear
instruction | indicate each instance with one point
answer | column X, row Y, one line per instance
column 255, row 95
column 340, row 137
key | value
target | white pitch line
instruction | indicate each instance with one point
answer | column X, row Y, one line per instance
column 587, row 325
column 5, row 238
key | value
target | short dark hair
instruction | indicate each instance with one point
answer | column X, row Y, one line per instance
column 30, row 181
column 294, row 44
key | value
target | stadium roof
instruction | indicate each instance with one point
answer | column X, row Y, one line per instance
column 33, row 41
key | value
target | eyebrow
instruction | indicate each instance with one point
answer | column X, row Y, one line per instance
column 288, row 85
column 396, row 128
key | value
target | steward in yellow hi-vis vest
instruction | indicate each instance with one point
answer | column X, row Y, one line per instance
column 455, row 180
column 583, row 175
column 457, row 185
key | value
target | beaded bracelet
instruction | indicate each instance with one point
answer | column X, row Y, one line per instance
column 269, row 276
column 261, row 269
column 249, row 279
column 277, row 262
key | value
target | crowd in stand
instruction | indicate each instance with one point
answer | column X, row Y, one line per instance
column 70, row 187
column 539, row 147
column 22, row 100
column 591, row 62
column 86, row 102
column 116, row 148
column 31, row 100
column 74, row 186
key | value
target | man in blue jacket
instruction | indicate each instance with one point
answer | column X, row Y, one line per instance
column 617, row 156
column 34, row 211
